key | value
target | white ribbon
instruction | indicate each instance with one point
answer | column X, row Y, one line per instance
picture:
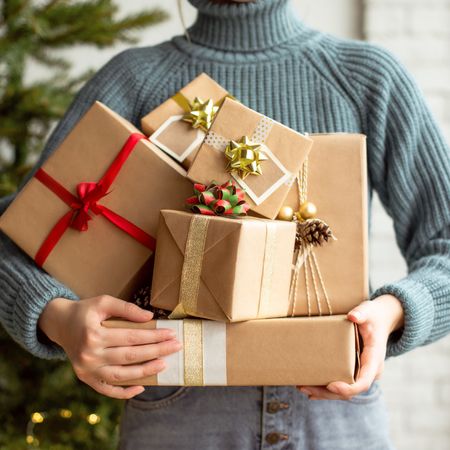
column 214, row 354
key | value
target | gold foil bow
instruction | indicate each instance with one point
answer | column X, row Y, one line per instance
column 201, row 113
column 244, row 157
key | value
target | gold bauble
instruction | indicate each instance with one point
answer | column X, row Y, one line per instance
column 286, row 213
column 307, row 211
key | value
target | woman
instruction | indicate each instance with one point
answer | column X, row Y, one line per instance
column 311, row 82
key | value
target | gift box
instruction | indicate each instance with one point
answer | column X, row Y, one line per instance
column 222, row 269
column 263, row 156
column 269, row 352
column 90, row 214
column 333, row 277
column 179, row 125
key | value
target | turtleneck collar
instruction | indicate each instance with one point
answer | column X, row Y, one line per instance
column 245, row 27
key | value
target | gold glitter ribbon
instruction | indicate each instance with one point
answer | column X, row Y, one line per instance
column 192, row 267
column 182, row 101
column 193, row 352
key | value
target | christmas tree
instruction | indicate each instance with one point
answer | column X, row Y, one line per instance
column 42, row 404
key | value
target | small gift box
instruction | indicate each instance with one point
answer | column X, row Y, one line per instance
column 179, row 125
column 263, row 156
column 222, row 269
column 269, row 352
column 89, row 215
column 330, row 202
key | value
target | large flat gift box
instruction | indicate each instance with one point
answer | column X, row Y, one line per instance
column 222, row 269
column 264, row 156
column 177, row 137
column 96, row 236
column 273, row 352
column 337, row 186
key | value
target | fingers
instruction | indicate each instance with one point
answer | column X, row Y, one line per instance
column 113, row 307
column 370, row 365
column 122, row 393
column 318, row 393
column 360, row 314
column 119, row 374
column 121, row 337
column 140, row 353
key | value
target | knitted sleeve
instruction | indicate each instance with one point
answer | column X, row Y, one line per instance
column 25, row 289
column 409, row 167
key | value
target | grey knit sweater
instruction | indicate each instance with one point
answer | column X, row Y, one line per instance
column 312, row 82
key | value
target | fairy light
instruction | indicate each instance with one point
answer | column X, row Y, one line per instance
column 65, row 413
column 39, row 417
column 93, row 419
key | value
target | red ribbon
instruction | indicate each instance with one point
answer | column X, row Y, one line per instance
column 88, row 196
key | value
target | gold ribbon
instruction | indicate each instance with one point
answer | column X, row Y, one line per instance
column 193, row 352
column 192, row 267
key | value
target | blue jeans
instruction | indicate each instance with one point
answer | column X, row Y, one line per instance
column 250, row 418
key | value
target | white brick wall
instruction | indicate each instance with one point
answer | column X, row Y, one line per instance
column 416, row 385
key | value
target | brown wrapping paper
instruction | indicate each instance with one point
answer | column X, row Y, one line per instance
column 272, row 352
column 245, row 267
column 285, row 148
column 103, row 259
column 337, row 185
column 178, row 136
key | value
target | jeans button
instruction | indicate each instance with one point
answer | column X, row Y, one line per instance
column 275, row 406
column 273, row 438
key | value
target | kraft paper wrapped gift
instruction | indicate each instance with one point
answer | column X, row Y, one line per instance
column 165, row 124
column 269, row 352
column 222, row 269
column 337, row 186
column 104, row 235
column 284, row 151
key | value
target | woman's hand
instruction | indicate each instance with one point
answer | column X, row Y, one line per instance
column 376, row 320
column 102, row 356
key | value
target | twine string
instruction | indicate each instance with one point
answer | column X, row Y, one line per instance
column 307, row 258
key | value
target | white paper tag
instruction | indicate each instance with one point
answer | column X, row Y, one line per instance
column 154, row 138
column 286, row 178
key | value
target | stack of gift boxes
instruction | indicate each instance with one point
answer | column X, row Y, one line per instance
column 253, row 236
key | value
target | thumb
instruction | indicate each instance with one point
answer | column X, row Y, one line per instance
column 114, row 307
column 360, row 314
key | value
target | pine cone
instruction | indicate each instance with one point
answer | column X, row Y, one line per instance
column 142, row 299
column 312, row 232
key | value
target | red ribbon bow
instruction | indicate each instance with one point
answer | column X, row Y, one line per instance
column 89, row 194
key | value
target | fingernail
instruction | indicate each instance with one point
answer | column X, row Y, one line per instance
column 171, row 333
column 178, row 345
column 357, row 315
column 306, row 392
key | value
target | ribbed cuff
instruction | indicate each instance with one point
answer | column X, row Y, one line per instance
column 418, row 307
column 31, row 301
column 25, row 290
